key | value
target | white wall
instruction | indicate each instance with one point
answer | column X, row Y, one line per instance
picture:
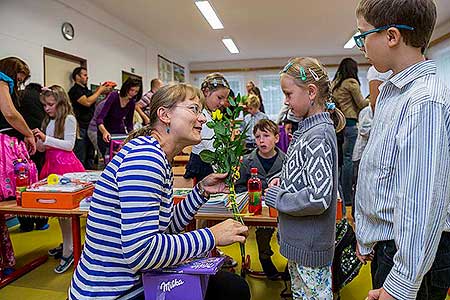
column 110, row 46
column 440, row 53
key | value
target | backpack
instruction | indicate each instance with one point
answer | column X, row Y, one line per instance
column 346, row 265
column 12, row 149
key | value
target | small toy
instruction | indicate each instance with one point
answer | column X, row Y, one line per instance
column 52, row 179
column 110, row 84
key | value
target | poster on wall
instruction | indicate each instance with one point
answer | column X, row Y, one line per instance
column 126, row 75
column 165, row 69
column 178, row 73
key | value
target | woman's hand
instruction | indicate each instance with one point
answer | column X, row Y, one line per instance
column 31, row 144
column 215, row 183
column 106, row 136
column 228, row 232
column 38, row 134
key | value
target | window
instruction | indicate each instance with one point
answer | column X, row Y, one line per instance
column 236, row 84
column 271, row 93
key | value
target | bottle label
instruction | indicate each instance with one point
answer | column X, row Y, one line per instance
column 255, row 198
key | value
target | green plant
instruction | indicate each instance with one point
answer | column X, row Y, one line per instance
column 229, row 147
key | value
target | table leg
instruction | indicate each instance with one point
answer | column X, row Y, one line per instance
column 76, row 236
column 23, row 270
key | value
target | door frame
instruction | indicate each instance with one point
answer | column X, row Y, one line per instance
column 64, row 56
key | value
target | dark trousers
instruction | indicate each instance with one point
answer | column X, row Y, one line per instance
column 102, row 145
column 350, row 135
column 27, row 223
column 263, row 237
column 84, row 150
column 435, row 283
column 355, row 182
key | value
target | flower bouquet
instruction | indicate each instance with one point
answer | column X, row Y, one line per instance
column 229, row 147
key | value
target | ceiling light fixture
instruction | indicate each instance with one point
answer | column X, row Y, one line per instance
column 231, row 46
column 351, row 42
column 208, row 12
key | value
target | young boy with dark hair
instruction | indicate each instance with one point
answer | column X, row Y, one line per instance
column 269, row 161
column 402, row 213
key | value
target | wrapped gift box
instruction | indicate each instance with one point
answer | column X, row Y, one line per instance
column 186, row 281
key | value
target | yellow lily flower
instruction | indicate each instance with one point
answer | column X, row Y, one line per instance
column 217, row 115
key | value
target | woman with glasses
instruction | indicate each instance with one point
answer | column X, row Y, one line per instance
column 216, row 89
column 348, row 98
column 133, row 225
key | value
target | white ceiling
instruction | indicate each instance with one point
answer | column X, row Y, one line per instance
column 260, row 28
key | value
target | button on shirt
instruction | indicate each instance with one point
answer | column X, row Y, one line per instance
column 403, row 191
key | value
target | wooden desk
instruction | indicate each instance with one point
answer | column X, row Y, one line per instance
column 180, row 160
column 10, row 207
column 258, row 220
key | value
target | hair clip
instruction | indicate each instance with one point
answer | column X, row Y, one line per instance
column 314, row 74
column 330, row 105
column 286, row 67
column 46, row 89
column 303, row 74
column 214, row 82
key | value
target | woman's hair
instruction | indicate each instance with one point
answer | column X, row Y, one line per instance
column 307, row 70
column 130, row 83
column 253, row 101
column 214, row 81
column 256, row 91
column 63, row 109
column 11, row 66
column 348, row 68
column 167, row 96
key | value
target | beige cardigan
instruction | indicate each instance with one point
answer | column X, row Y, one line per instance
column 349, row 99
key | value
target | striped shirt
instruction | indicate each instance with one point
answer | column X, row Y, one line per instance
column 144, row 102
column 403, row 190
column 133, row 226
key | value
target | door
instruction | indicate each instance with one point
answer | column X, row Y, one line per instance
column 58, row 67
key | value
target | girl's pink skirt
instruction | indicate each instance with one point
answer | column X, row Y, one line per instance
column 60, row 162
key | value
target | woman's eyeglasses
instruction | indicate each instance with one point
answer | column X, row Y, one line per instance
column 195, row 109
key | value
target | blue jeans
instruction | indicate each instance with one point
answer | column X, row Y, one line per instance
column 84, row 149
column 350, row 134
column 435, row 283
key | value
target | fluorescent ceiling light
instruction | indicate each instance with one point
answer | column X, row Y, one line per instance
column 351, row 42
column 231, row 46
column 208, row 12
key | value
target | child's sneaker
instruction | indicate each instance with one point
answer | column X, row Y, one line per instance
column 65, row 264
column 56, row 251
column 8, row 271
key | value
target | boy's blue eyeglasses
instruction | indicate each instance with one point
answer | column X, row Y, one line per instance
column 359, row 39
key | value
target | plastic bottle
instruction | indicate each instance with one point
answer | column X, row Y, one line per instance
column 254, row 187
column 22, row 179
column 339, row 209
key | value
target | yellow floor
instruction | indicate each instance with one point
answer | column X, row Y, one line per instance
column 43, row 283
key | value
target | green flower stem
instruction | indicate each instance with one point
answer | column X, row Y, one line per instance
column 236, row 215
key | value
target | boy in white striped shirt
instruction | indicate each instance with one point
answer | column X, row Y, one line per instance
column 403, row 194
